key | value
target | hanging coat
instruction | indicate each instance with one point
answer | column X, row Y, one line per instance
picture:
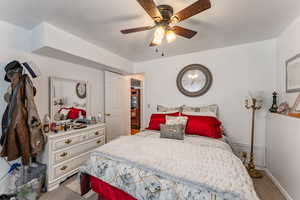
column 16, row 142
column 22, row 134
column 37, row 137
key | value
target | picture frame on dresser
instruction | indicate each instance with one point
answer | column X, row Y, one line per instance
column 292, row 74
column 296, row 106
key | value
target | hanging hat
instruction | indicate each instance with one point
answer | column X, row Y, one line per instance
column 13, row 66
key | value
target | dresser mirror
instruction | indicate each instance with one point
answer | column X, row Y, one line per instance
column 69, row 99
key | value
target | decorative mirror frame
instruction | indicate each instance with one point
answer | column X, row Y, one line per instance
column 287, row 75
column 206, row 72
column 51, row 94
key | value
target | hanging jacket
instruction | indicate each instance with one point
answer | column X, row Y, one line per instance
column 22, row 134
column 37, row 138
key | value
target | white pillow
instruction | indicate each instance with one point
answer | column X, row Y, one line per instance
column 164, row 109
column 209, row 114
column 209, row 110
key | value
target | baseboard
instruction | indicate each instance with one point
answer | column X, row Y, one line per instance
column 278, row 185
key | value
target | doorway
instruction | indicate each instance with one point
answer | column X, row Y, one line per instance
column 135, row 104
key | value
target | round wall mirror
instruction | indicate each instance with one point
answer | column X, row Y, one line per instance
column 194, row 80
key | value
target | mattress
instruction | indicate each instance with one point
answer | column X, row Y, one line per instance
column 146, row 181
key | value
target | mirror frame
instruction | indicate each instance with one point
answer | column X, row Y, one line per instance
column 51, row 93
column 202, row 91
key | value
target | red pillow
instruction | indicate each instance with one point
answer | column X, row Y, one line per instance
column 74, row 112
column 157, row 119
column 204, row 126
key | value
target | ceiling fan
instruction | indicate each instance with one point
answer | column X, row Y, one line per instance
column 164, row 19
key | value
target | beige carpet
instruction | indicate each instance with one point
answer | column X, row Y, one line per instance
column 74, row 185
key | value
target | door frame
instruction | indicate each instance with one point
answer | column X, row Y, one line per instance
column 141, row 77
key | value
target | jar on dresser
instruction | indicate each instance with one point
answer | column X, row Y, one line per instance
column 66, row 151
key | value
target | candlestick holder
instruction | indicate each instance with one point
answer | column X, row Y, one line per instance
column 253, row 104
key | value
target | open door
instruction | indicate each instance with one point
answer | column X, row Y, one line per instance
column 136, row 105
column 117, row 105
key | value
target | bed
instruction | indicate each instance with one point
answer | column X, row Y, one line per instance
column 145, row 166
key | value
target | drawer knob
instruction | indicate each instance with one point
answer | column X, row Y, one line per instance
column 68, row 141
column 64, row 168
column 99, row 141
column 97, row 133
column 63, row 154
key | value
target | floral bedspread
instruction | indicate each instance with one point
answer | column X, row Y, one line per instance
column 143, row 184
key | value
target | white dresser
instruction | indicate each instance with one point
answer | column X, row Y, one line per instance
column 66, row 151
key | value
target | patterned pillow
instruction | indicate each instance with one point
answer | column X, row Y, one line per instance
column 172, row 131
column 210, row 110
column 161, row 108
column 172, row 120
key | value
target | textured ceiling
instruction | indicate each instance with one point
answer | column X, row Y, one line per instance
column 228, row 22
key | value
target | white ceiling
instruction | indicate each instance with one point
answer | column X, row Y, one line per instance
column 228, row 22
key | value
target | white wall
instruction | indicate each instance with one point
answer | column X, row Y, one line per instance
column 236, row 70
column 283, row 135
column 47, row 35
column 13, row 37
column 288, row 45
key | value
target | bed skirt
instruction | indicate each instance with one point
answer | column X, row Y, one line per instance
column 104, row 190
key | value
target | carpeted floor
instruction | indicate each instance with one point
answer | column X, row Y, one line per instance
column 265, row 188
column 65, row 192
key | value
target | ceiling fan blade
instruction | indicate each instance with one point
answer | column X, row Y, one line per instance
column 184, row 32
column 139, row 29
column 194, row 9
column 151, row 9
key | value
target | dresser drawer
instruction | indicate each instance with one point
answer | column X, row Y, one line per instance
column 62, row 169
column 67, row 142
column 96, row 133
column 78, row 149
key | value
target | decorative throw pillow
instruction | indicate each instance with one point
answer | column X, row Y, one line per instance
column 204, row 126
column 210, row 110
column 171, row 120
column 157, row 119
column 172, row 131
column 162, row 109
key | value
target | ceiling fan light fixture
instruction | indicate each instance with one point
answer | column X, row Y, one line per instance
column 174, row 19
column 170, row 36
column 159, row 35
